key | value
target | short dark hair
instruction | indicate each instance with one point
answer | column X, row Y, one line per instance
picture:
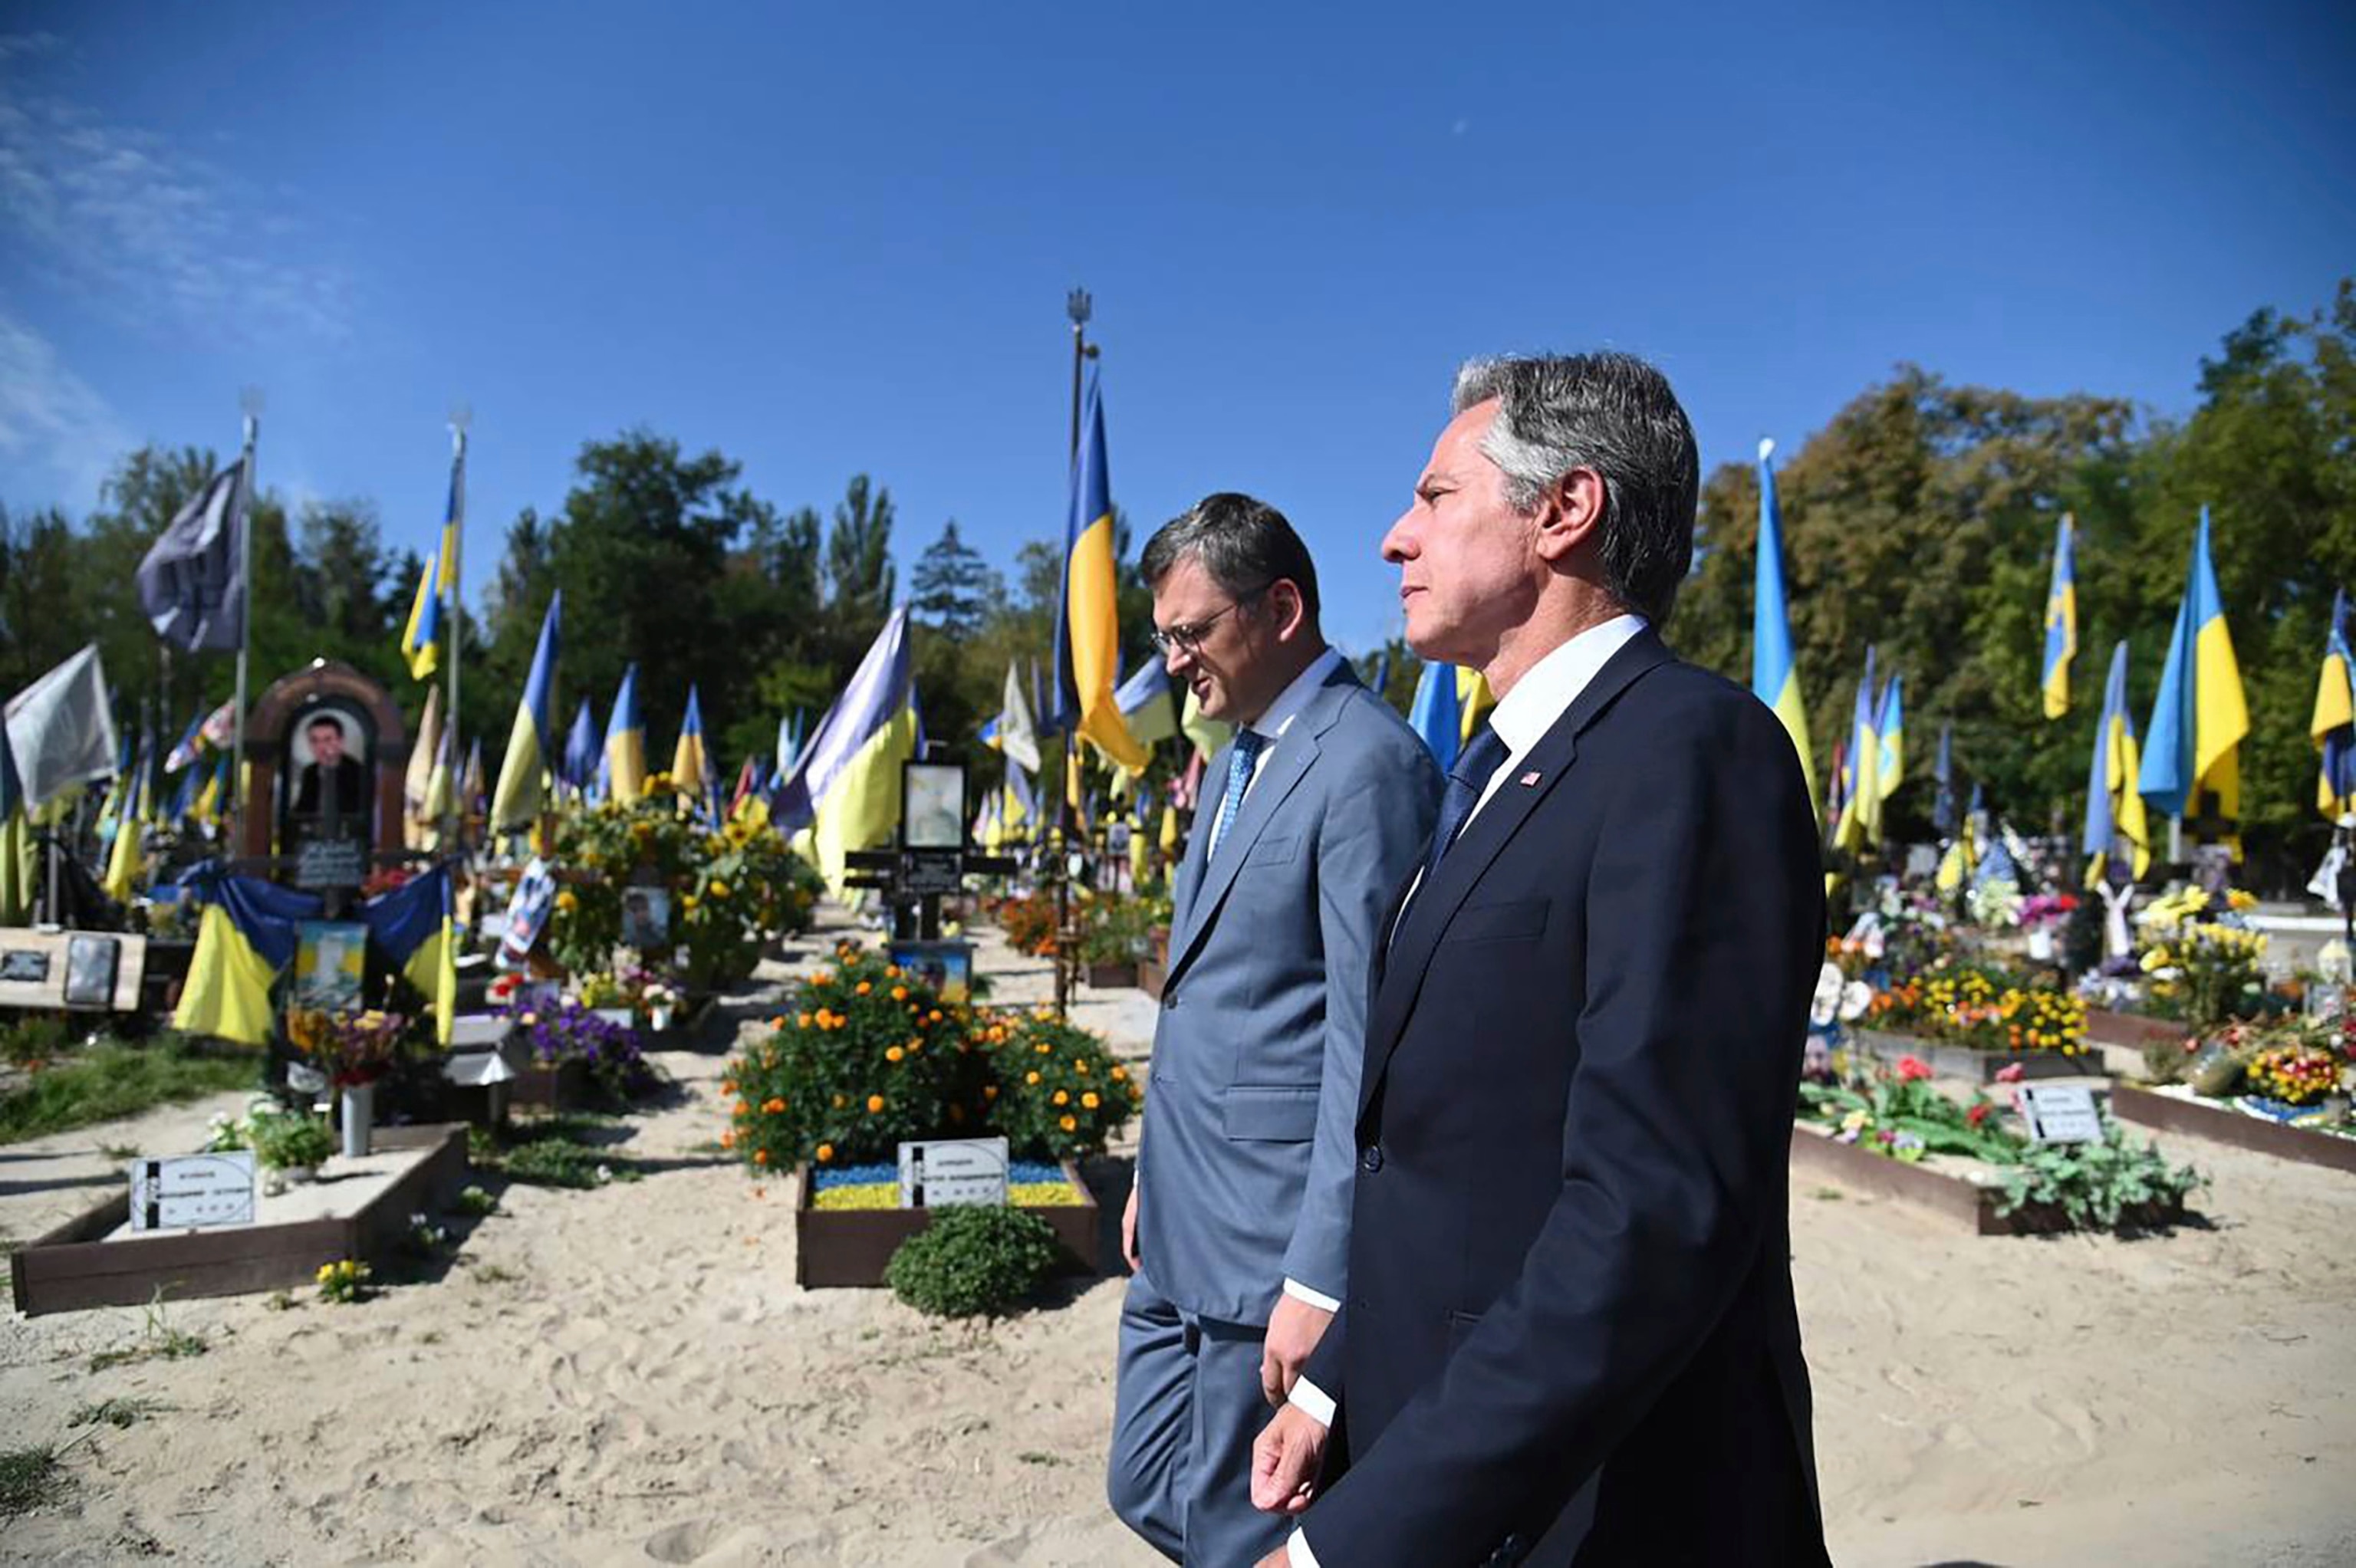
column 1615, row 414
column 329, row 720
column 1244, row 544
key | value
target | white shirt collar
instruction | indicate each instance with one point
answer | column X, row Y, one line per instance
column 1525, row 714
column 1271, row 725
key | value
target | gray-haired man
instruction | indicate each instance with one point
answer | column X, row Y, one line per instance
column 1238, row 1226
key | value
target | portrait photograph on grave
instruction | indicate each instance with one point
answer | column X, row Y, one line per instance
column 933, row 795
column 646, row 917
column 330, row 960
column 91, row 965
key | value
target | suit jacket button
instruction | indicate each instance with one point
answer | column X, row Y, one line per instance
column 1371, row 1158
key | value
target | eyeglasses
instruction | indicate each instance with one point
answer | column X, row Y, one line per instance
column 1188, row 636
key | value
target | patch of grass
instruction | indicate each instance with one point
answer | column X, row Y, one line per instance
column 28, row 1479
column 571, row 1150
column 280, row 1301
column 115, row 1413
column 159, row 1341
column 1035, row 1457
column 111, row 1080
column 117, row 1152
column 473, row 1201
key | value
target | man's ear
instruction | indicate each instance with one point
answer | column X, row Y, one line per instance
column 1569, row 513
column 1289, row 611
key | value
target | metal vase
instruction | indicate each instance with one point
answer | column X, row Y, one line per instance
column 358, row 1118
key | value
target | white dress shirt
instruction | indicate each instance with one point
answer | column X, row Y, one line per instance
column 1521, row 720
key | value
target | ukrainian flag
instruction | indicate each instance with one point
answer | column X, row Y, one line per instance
column 244, row 938
column 216, row 791
column 414, row 927
column 1148, row 704
column 1861, row 816
column 421, row 639
column 1207, row 734
column 128, row 857
column 1891, row 723
column 2113, row 810
column 1473, row 701
column 1775, row 674
column 626, row 741
column 17, row 852
column 532, row 742
column 581, row 753
column 1437, row 714
column 846, row 789
column 2334, row 724
column 690, row 766
column 2061, row 622
column 1088, row 634
column 2200, row 719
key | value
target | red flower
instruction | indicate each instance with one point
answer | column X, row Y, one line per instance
column 1911, row 1069
column 1978, row 1113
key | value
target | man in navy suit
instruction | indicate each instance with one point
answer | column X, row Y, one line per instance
column 1570, row 1335
column 1239, row 1225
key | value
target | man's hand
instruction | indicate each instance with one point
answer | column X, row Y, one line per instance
column 1286, row 1457
column 1294, row 1329
column 1128, row 1229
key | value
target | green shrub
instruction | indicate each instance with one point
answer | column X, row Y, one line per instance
column 971, row 1260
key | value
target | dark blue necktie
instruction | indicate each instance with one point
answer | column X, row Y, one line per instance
column 1466, row 779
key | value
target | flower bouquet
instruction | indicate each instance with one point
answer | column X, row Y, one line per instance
column 350, row 1049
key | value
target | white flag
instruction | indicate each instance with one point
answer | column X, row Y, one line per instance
column 62, row 730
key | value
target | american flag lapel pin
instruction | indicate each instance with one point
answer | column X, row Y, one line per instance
column 1529, row 779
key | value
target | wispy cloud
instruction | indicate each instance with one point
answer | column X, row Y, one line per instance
column 148, row 231
column 50, row 417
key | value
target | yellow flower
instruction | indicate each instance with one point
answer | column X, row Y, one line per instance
column 1031, row 1078
column 1063, row 1097
column 568, row 901
column 1068, row 1124
column 894, row 1054
column 862, row 989
column 687, row 900
column 1088, row 1100
column 718, row 889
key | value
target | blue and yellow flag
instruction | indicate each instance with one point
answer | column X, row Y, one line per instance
column 626, row 743
column 412, row 926
column 581, row 753
column 421, row 638
column 2333, row 727
column 1891, row 723
column 1861, row 816
column 846, row 788
column 1149, row 704
column 1437, row 714
column 691, row 765
column 2114, row 811
column 2060, row 621
column 532, row 742
column 1088, row 631
column 2193, row 746
column 1774, row 672
column 215, row 793
column 128, row 857
column 1473, row 701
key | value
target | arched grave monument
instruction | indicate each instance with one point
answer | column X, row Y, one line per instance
column 326, row 750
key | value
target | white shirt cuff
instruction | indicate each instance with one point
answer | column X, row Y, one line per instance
column 1319, row 1299
column 1314, row 1402
column 1297, row 1552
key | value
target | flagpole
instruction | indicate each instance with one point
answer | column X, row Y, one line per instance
column 251, row 402
column 455, row 833
column 1078, row 308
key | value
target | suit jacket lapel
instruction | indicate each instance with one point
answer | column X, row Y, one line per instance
column 1190, row 869
column 1281, row 769
column 1435, row 903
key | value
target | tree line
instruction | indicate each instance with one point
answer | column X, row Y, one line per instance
column 1921, row 519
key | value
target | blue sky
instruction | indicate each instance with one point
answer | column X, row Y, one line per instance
column 827, row 243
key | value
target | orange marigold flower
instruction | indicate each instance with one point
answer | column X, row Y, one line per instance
column 728, row 1138
column 726, row 1087
column 825, row 1153
column 899, row 993
column 1030, row 1078
column 760, row 1157
column 894, row 1054
column 1088, row 1100
column 989, row 1091
column 1068, row 1123
column 862, row 987
column 1079, row 1064
column 874, row 1103
column 1063, row 1097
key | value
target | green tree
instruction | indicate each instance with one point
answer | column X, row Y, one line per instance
column 954, row 586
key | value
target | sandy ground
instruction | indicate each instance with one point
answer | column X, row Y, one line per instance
column 629, row 1375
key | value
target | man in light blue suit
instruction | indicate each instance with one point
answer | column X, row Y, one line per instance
column 1239, row 1225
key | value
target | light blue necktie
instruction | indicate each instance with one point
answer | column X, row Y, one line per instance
column 1240, row 761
